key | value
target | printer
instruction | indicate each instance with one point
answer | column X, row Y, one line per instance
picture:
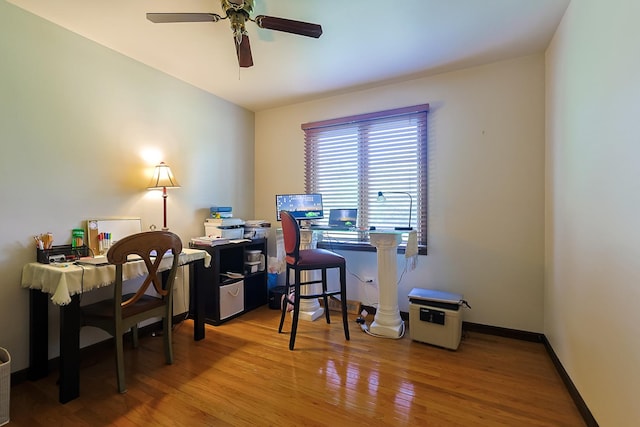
column 256, row 229
column 226, row 228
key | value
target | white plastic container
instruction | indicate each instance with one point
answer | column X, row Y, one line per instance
column 435, row 317
column 252, row 255
column 5, row 385
column 251, row 266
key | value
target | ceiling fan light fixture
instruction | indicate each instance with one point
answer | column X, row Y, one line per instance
column 238, row 5
column 239, row 12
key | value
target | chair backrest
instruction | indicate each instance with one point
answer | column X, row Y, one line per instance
column 152, row 247
column 291, row 234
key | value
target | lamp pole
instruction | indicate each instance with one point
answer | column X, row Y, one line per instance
column 164, row 202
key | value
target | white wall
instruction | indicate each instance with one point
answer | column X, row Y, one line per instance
column 593, row 205
column 486, row 184
column 80, row 129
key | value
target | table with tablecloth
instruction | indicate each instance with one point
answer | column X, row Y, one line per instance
column 63, row 284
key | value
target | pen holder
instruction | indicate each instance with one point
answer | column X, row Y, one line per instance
column 43, row 256
column 77, row 237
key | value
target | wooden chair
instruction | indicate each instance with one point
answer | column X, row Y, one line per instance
column 300, row 260
column 123, row 312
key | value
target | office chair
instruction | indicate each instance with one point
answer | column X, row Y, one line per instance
column 308, row 260
column 124, row 312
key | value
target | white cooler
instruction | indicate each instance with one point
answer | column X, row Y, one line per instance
column 435, row 317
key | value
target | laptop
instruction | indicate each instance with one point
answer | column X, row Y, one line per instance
column 343, row 218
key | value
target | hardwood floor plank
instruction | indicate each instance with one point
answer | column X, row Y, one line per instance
column 243, row 374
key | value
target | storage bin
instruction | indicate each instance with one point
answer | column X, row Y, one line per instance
column 43, row 256
column 5, row 385
column 275, row 297
column 231, row 299
column 272, row 280
column 435, row 317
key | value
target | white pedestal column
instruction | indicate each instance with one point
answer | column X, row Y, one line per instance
column 309, row 308
column 387, row 321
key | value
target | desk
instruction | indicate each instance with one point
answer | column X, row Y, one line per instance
column 310, row 309
column 65, row 285
column 387, row 321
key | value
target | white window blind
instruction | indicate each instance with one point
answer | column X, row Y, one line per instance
column 350, row 160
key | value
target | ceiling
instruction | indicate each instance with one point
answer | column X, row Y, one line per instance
column 364, row 42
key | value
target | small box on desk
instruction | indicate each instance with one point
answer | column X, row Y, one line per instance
column 61, row 253
column 435, row 317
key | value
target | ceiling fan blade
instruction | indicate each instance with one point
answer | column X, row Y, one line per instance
column 160, row 18
column 288, row 26
column 245, row 60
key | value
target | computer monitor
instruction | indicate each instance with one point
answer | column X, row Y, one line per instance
column 301, row 206
column 343, row 217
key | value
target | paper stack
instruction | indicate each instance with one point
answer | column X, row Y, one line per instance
column 208, row 241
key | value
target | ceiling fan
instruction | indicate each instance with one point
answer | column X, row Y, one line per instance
column 239, row 12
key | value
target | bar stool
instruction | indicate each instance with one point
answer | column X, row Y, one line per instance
column 308, row 260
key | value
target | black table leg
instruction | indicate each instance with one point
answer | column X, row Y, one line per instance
column 38, row 334
column 197, row 284
column 69, row 387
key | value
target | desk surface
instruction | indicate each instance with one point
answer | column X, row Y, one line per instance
column 331, row 228
column 355, row 229
column 64, row 280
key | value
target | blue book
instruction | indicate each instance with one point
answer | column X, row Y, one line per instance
column 214, row 209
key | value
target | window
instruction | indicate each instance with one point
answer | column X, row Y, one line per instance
column 349, row 160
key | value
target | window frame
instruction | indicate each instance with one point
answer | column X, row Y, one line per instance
column 359, row 240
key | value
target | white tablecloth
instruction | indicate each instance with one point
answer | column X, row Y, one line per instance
column 66, row 279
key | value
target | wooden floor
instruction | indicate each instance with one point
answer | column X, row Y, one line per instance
column 243, row 374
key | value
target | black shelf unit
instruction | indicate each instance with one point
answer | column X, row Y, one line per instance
column 231, row 257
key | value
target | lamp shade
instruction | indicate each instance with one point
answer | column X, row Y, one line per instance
column 162, row 178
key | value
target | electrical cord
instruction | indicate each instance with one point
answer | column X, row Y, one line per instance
column 330, row 241
column 360, row 320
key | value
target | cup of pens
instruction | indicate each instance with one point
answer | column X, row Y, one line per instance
column 77, row 237
column 44, row 241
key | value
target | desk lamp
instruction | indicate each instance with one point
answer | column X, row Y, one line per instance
column 381, row 198
column 162, row 179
